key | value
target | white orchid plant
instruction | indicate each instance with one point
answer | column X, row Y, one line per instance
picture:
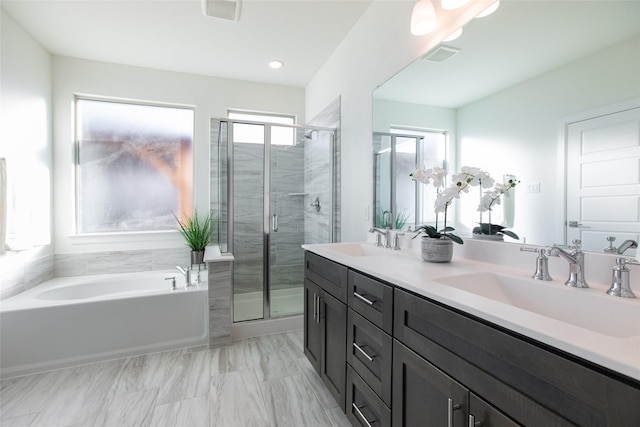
column 491, row 198
column 460, row 183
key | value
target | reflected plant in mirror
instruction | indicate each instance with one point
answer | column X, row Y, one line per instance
column 491, row 198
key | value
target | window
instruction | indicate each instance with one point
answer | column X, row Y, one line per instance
column 254, row 134
column 133, row 165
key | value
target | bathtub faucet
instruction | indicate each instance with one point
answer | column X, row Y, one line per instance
column 186, row 272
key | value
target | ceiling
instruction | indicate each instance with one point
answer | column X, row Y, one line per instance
column 521, row 40
column 174, row 35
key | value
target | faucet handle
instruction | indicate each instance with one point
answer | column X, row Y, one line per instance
column 610, row 249
column 396, row 241
column 577, row 244
column 173, row 282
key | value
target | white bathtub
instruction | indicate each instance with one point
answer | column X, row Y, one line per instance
column 74, row 320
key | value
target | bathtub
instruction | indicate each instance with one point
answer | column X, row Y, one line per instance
column 74, row 320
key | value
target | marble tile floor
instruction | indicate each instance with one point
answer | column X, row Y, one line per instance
column 262, row 382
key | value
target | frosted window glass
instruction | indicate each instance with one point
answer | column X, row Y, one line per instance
column 134, row 166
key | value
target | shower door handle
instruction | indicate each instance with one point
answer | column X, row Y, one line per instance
column 274, row 222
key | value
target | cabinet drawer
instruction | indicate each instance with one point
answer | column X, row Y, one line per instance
column 330, row 276
column 531, row 382
column 372, row 299
column 369, row 351
column 364, row 407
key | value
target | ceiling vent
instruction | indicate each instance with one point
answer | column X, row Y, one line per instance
column 440, row 54
column 224, row 9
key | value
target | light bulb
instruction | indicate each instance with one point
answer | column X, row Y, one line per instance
column 423, row 18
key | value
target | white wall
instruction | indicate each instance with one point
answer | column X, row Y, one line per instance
column 211, row 97
column 518, row 127
column 379, row 45
column 25, row 141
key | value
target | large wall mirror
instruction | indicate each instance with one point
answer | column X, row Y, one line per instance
column 548, row 91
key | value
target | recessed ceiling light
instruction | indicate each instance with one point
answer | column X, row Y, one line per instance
column 276, row 64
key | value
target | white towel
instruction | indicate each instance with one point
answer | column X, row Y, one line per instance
column 3, row 204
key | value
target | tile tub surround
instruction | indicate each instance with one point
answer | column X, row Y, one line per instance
column 408, row 271
column 219, row 276
column 21, row 271
column 264, row 381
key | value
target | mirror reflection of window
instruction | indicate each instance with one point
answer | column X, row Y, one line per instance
column 400, row 203
column 430, row 152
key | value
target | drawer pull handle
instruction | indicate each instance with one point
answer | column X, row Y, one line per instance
column 451, row 407
column 363, row 299
column 364, row 353
column 473, row 422
column 315, row 306
column 361, row 415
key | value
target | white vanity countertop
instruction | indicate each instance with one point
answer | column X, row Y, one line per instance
column 406, row 270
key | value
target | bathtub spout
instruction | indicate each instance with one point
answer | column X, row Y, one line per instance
column 187, row 275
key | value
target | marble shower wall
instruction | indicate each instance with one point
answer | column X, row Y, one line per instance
column 317, row 178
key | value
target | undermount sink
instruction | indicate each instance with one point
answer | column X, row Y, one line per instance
column 356, row 249
column 585, row 308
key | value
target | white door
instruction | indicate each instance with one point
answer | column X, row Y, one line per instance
column 603, row 179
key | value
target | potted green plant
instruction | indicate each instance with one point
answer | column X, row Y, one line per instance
column 197, row 233
column 490, row 198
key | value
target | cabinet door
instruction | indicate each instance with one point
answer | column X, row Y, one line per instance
column 312, row 337
column 423, row 395
column 333, row 362
column 483, row 414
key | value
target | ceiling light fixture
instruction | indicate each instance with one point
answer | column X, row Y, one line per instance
column 488, row 11
column 276, row 64
column 423, row 18
column 456, row 34
column 452, row 4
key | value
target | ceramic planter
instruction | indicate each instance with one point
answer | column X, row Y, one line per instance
column 436, row 250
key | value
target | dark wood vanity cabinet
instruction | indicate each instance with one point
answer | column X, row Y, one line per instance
column 534, row 385
column 325, row 322
column 394, row 358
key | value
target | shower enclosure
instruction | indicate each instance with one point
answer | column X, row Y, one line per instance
column 273, row 188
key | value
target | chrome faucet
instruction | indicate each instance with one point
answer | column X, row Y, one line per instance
column 542, row 262
column 186, row 272
column 620, row 285
column 576, row 264
column 379, row 233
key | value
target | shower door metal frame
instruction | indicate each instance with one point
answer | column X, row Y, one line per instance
column 392, row 171
column 266, row 178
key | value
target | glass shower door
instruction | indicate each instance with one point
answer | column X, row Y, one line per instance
column 248, row 220
column 300, row 210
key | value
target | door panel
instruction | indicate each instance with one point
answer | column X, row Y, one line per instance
column 248, row 207
column 603, row 179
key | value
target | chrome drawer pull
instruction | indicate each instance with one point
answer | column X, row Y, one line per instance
column 361, row 298
column 364, row 353
column 361, row 415
column 473, row 422
column 450, row 408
